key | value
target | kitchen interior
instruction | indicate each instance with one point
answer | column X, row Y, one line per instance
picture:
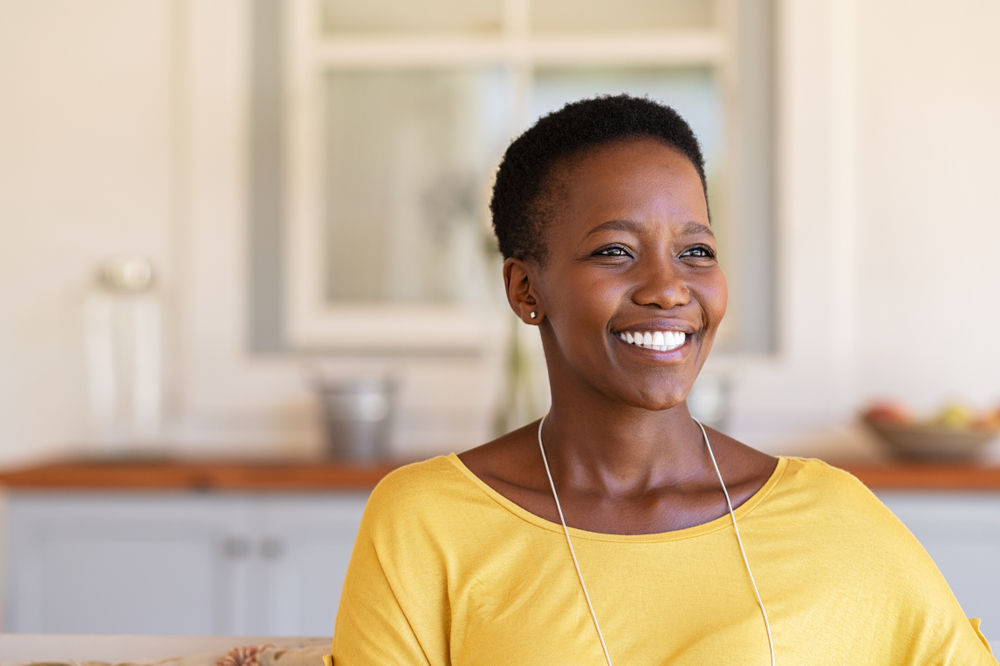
column 246, row 270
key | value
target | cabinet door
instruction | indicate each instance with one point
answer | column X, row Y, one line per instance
column 126, row 564
column 961, row 531
column 305, row 546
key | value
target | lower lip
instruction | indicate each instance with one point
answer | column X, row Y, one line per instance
column 669, row 355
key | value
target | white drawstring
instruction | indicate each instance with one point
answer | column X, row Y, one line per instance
column 572, row 553
column 732, row 514
column 576, row 565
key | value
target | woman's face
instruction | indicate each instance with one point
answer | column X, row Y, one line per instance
column 631, row 292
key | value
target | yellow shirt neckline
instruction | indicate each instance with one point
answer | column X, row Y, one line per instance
column 676, row 535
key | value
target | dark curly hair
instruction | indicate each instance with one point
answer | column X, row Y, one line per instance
column 525, row 193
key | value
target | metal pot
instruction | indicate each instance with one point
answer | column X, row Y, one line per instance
column 357, row 415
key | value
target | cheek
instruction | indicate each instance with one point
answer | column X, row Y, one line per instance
column 584, row 314
column 582, row 295
column 717, row 298
column 580, row 315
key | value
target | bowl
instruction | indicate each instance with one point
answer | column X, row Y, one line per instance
column 921, row 441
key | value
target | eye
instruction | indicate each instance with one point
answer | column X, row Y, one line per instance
column 612, row 251
column 699, row 252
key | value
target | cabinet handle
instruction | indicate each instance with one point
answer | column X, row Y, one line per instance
column 271, row 548
column 235, row 548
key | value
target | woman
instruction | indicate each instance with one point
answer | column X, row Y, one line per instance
column 618, row 530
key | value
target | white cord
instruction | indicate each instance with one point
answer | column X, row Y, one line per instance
column 732, row 514
column 572, row 553
column 569, row 542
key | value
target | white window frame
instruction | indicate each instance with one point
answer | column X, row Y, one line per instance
column 311, row 321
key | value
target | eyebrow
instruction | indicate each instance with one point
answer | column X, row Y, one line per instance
column 691, row 227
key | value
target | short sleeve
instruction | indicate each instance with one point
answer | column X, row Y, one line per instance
column 976, row 622
column 372, row 627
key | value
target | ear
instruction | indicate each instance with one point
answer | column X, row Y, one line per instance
column 518, row 279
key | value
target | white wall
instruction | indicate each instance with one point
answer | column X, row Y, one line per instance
column 928, row 235
column 889, row 219
column 85, row 172
column 123, row 130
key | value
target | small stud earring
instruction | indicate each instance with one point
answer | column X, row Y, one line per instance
column 533, row 315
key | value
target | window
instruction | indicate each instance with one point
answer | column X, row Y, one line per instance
column 396, row 114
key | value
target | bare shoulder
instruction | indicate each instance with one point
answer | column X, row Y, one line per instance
column 512, row 466
column 744, row 468
column 509, row 460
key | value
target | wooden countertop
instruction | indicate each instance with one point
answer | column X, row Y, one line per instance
column 208, row 475
column 318, row 476
column 925, row 476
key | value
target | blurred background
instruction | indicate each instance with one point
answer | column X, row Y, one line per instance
column 307, row 182
column 217, row 214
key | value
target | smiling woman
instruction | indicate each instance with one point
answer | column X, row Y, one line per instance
column 629, row 250
column 618, row 529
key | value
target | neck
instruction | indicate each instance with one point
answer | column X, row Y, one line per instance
column 621, row 449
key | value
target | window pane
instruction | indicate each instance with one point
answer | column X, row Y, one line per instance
column 409, row 157
column 604, row 16
column 412, row 16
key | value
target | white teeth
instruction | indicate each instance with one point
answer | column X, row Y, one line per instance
column 657, row 340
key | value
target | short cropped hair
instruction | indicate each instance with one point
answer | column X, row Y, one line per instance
column 524, row 194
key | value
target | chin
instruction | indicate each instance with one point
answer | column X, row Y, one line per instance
column 661, row 400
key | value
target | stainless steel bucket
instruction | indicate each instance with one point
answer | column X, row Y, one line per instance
column 357, row 415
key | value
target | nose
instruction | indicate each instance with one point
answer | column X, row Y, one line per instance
column 661, row 283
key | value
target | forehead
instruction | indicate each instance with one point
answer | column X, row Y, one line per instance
column 641, row 176
column 634, row 152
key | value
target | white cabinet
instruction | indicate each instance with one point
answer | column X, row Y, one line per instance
column 140, row 563
column 961, row 531
column 273, row 564
column 304, row 554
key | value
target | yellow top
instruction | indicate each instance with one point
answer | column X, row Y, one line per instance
column 446, row 570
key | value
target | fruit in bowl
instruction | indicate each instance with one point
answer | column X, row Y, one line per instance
column 889, row 412
column 989, row 420
column 956, row 433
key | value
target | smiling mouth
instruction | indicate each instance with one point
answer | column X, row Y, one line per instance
column 655, row 340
